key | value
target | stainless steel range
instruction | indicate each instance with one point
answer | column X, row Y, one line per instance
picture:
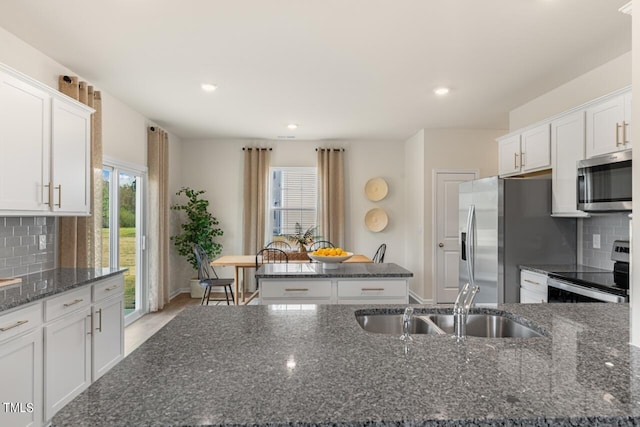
column 593, row 285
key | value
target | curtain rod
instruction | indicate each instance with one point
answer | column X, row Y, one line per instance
column 329, row 149
column 256, row 148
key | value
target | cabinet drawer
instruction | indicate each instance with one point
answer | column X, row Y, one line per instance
column 534, row 281
column 528, row 296
column 108, row 287
column 67, row 303
column 295, row 289
column 371, row 288
column 19, row 321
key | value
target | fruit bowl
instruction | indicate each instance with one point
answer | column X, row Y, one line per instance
column 328, row 261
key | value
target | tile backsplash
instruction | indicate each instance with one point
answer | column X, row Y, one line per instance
column 610, row 227
column 19, row 245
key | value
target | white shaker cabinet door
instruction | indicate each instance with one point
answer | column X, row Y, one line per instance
column 535, row 148
column 108, row 335
column 509, row 155
column 604, row 131
column 21, row 384
column 25, row 137
column 71, row 128
column 67, row 359
column 567, row 146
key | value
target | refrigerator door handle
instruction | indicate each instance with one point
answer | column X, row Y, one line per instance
column 470, row 242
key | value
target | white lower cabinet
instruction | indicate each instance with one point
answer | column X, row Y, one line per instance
column 21, row 374
column 67, row 359
column 108, row 337
column 52, row 350
column 533, row 287
column 372, row 292
column 334, row 291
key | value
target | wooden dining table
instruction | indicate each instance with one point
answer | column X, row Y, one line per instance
column 242, row 262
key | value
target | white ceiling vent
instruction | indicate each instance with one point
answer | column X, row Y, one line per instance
column 626, row 8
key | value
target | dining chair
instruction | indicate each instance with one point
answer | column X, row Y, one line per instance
column 271, row 255
column 321, row 244
column 379, row 256
column 279, row 244
column 209, row 278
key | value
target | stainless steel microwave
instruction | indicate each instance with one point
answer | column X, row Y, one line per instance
column 604, row 183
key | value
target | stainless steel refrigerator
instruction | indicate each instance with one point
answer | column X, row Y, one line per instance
column 504, row 223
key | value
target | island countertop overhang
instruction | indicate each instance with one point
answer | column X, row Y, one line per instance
column 314, row 270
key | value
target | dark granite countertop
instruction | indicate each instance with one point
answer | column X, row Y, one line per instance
column 562, row 268
column 344, row 270
column 44, row 284
column 314, row 365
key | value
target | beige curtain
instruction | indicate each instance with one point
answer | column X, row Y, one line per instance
column 331, row 215
column 158, row 232
column 256, row 180
column 80, row 238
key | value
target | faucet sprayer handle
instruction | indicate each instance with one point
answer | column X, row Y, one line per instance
column 462, row 294
column 469, row 300
column 406, row 324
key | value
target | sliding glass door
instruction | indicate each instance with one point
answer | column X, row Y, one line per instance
column 123, row 234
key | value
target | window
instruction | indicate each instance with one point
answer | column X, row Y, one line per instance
column 293, row 199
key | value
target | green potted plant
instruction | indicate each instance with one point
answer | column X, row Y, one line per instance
column 200, row 227
column 302, row 238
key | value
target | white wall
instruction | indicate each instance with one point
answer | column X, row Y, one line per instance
column 600, row 81
column 216, row 166
column 414, row 227
column 442, row 149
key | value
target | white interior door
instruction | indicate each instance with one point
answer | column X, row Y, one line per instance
column 446, row 239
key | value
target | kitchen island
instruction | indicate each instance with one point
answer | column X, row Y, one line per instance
column 341, row 283
column 314, row 365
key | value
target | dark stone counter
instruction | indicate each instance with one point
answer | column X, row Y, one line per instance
column 47, row 283
column 313, row 365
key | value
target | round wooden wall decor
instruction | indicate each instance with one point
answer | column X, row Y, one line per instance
column 376, row 220
column 376, row 189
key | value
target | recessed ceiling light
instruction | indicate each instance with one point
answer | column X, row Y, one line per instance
column 441, row 91
column 292, row 126
column 208, row 87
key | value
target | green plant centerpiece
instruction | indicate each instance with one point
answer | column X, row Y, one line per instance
column 200, row 227
column 302, row 238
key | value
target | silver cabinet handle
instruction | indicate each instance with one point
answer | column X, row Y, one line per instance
column 59, row 188
column 69, row 304
column 15, row 325
column 618, row 126
column 522, row 162
column 296, row 289
column 372, row 289
column 49, row 193
column 111, row 288
column 624, row 132
column 99, row 328
column 515, row 160
column 90, row 316
column 532, row 282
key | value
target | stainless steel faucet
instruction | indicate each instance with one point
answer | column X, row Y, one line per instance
column 407, row 317
column 461, row 307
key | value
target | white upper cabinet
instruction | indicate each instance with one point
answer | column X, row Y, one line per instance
column 567, row 146
column 528, row 151
column 25, row 138
column 70, row 158
column 45, row 140
column 609, row 125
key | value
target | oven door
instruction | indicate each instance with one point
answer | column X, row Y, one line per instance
column 561, row 291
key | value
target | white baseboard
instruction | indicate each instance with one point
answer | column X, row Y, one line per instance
column 179, row 291
column 420, row 300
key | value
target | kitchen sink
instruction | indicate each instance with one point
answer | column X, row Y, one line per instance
column 486, row 326
column 392, row 324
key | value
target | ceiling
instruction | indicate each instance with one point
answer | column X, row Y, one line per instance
column 340, row 69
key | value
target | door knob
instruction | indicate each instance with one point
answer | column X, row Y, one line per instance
column 441, row 245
